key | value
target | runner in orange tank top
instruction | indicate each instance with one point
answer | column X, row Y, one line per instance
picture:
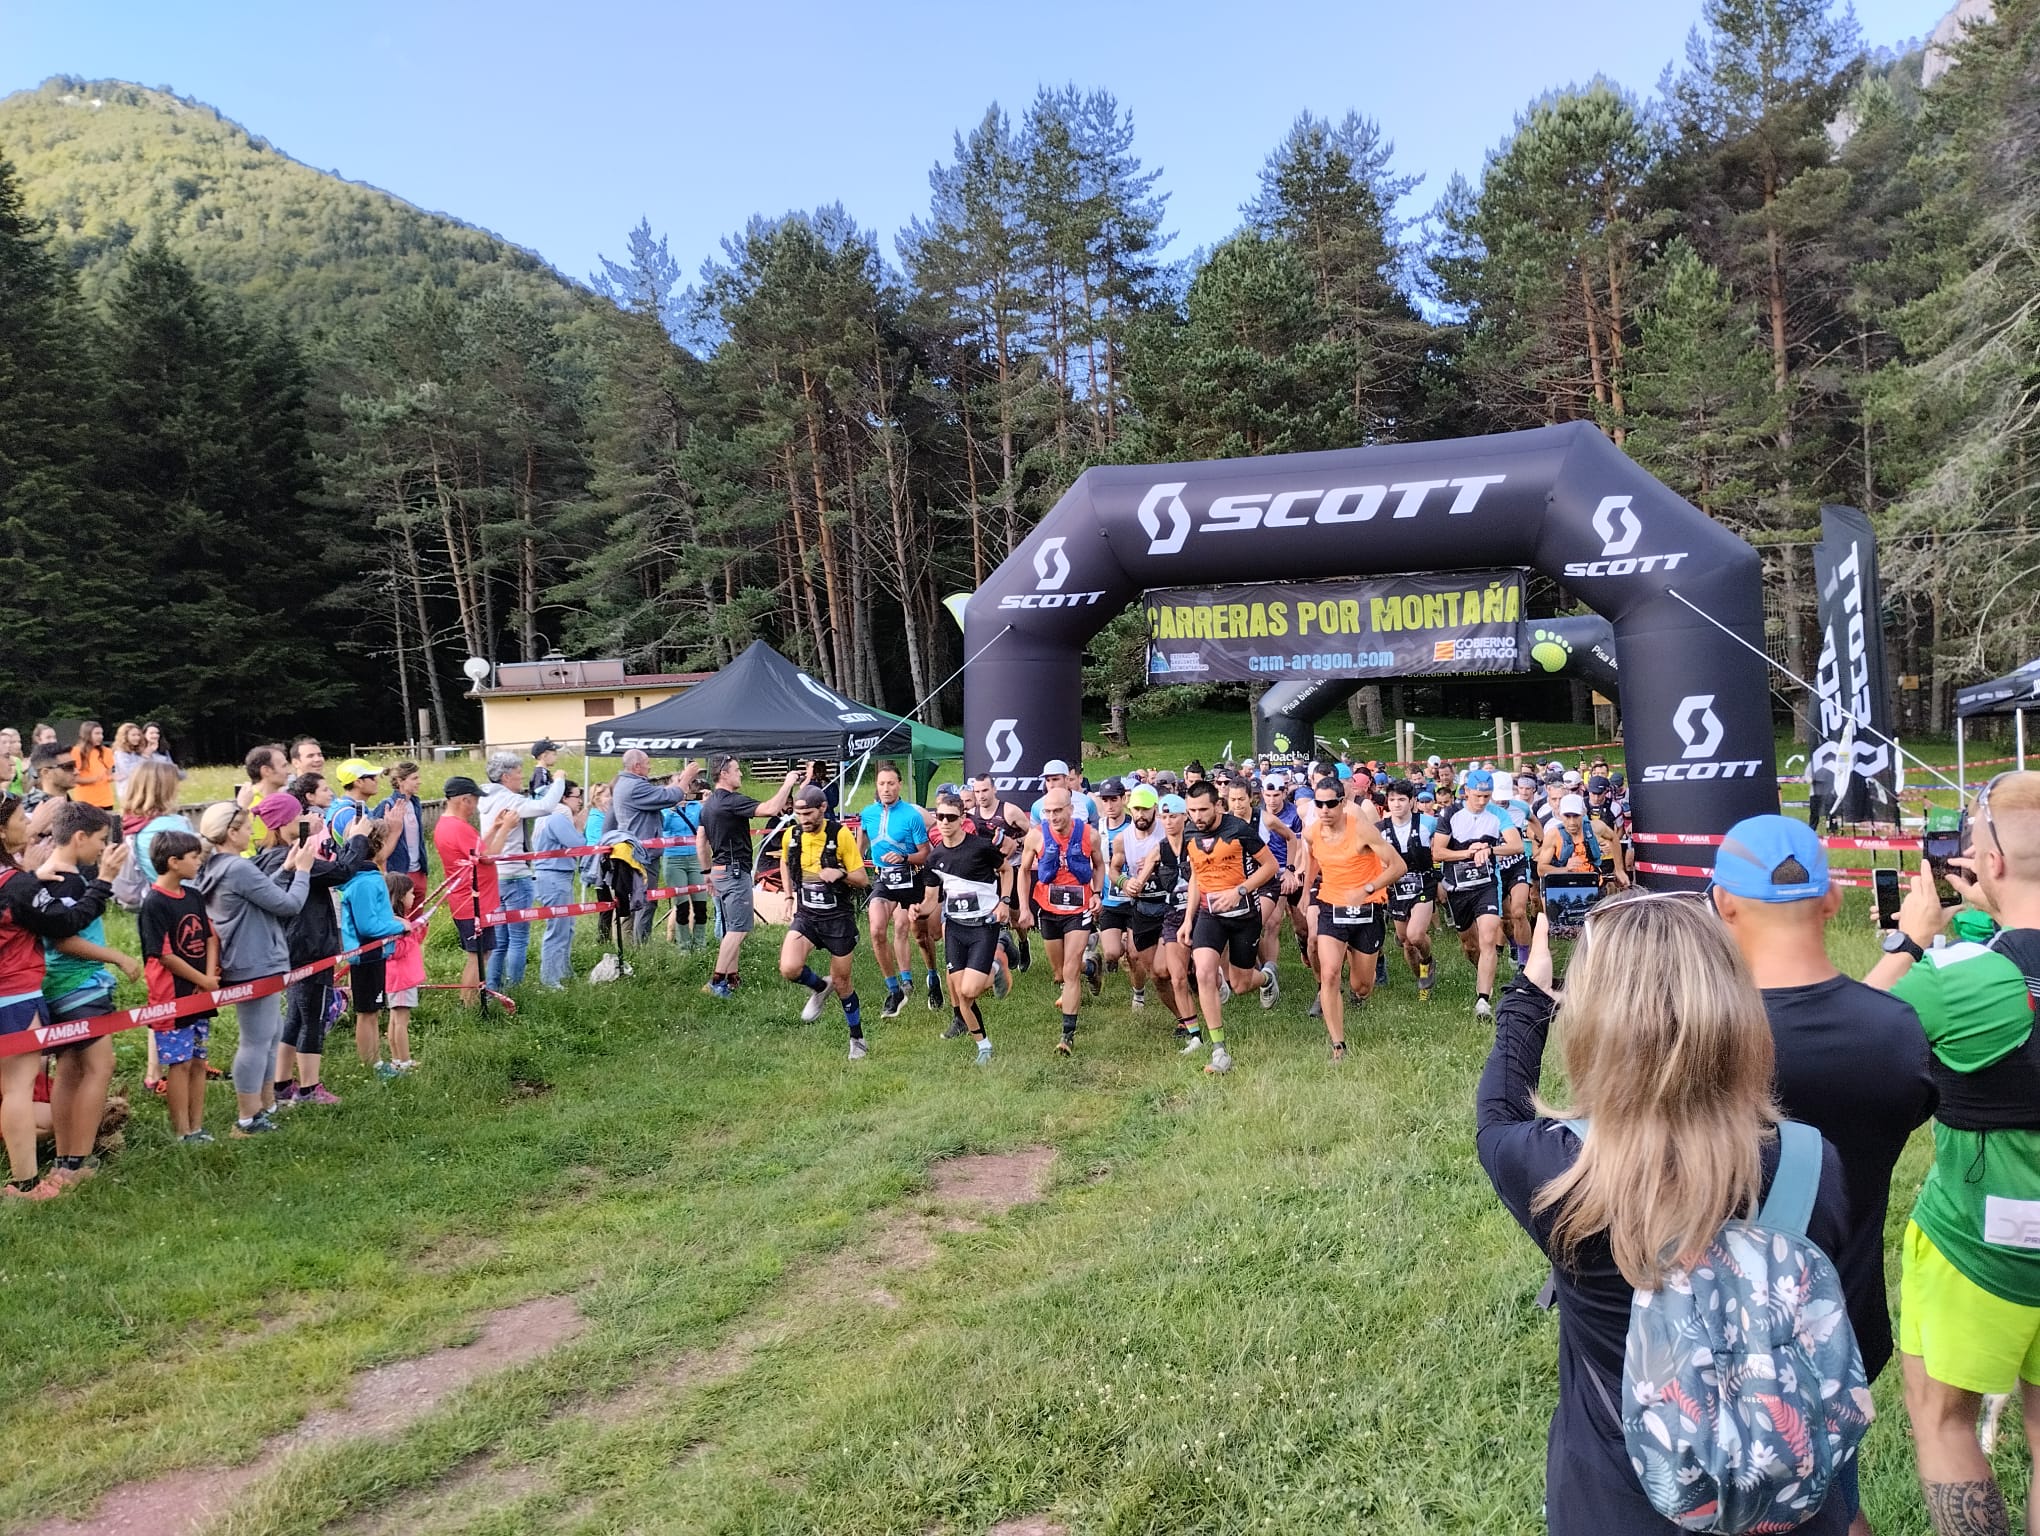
column 1356, row 865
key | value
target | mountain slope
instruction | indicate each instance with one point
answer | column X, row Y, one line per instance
column 113, row 163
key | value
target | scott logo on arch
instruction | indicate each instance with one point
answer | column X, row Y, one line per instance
column 1618, row 527
column 1051, row 570
column 1168, row 522
column 1699, row 728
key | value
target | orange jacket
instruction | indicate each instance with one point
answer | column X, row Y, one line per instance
column 94, row 768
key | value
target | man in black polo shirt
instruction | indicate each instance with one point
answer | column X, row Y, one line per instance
column 1851, row 1061
column 725, row 843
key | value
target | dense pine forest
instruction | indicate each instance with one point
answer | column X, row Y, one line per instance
column 276, row 448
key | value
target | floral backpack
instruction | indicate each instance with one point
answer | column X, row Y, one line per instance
column 1743, row 1391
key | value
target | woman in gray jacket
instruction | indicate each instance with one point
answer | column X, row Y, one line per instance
column 250, row 912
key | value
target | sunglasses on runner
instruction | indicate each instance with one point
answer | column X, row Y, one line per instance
column 947, row 816
column 1330, row 805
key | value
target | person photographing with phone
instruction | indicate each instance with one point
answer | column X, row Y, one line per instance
column 1969, row 1287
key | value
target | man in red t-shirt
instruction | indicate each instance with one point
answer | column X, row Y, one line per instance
column 458, row 840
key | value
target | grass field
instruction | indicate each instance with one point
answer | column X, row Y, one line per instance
column 1282, row 1301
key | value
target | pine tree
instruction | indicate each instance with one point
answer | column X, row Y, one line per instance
column 1703, row 413
column 1328, row 191
column 1248, row 369
column 64, row 568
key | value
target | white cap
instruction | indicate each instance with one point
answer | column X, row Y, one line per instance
column 1572, row 776
column 1057, row 765
column 1553, row 767
column 1572, row 805
column 1433, row 760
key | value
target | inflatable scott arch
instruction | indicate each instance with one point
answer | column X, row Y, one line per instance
column 1682, row 592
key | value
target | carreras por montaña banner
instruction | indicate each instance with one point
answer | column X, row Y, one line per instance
column 1387, row 626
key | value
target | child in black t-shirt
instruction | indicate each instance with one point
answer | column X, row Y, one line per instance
column 182, row 956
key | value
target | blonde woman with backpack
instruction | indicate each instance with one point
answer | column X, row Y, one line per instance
column 1636, row 1195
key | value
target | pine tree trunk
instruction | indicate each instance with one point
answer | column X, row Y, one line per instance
column 425, row 634
column 1615, row 400
column 1594, row 363
column 1774, row 262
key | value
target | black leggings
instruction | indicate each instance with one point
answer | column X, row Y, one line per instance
column 304, row 1014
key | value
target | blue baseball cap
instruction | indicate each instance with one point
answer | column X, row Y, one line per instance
column 1480, row 778
column 1426, row 797
column 1771, row 858
column 1343, row 770
column 1174, row 805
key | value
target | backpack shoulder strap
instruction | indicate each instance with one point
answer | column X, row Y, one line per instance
column 1789, row 1205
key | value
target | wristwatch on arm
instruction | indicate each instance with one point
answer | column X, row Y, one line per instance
column 1898, row 942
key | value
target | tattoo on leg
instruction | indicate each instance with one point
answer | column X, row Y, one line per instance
column 1967, row 1509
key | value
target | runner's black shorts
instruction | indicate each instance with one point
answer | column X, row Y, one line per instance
column 1409, row 893
column 908, row 895
column 970, row 946
column 1515, row 874
column 836, row 933
column 1467, row 907
column 1059, row 925
column 1239, row 937
column 1113, row 917
column 1362, row 932
column 1147, row 928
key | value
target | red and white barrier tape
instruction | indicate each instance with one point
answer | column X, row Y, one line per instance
column 1694, row 872
column 1713, row 839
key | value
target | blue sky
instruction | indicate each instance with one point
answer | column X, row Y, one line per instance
column 558, row 126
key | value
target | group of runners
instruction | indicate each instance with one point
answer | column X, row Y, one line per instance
column 1185, row 884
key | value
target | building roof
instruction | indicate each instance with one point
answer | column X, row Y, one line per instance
column 630, row 682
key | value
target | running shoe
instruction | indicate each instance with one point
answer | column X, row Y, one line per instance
column 1026, row 956
column 160, row 1086
column 858, row 1050
column 812, row 1008
column 1482, row 1009
column 1317, row 1007
column 1192, row 1044
column 1224, row 991
column 1221, row 1061
column 1139, row 999
column 318, row 1093
column 720, row 989
column 41, row 1189
column 1094, row 975
column 955, row 1030
column 1002, row 979
column 1065, row 1046
column 984, row 1052
column 934, row 993
column 68, row 1178
column 261, row 1125
column 1271, row 989
column 286, row 1096
column 895, row 1000
column 196, row 1139
column 386, row 1070
column 1338, row 1050
column 405, row 1067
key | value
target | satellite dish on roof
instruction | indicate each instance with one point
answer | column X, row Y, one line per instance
column 476, row 668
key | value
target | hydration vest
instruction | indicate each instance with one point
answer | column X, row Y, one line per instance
column 1416, row 855
column 1064, row 857
column 826, row 897
column 1565, row 844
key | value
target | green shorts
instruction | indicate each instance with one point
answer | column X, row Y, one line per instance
column 1967, row 1337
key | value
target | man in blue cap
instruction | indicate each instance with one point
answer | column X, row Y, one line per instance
column 1466, row 849
column 1851, row 1061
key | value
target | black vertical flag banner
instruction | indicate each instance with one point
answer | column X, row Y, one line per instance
column 1684, row 595
column 1854, row 771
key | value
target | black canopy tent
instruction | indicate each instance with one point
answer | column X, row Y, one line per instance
column 2013, row 694
column 761, row 703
